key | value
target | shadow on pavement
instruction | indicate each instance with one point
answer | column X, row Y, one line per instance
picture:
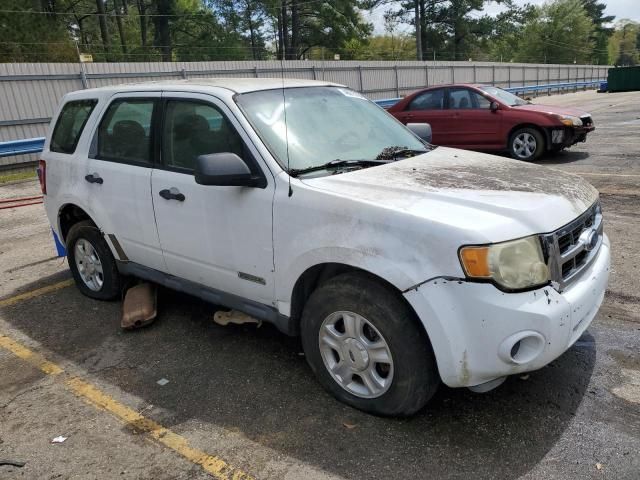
column 256, row 381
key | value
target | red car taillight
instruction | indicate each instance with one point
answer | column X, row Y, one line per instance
column 42, row 176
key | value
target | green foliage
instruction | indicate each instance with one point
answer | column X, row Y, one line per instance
column 624, row 44
column 193, row 30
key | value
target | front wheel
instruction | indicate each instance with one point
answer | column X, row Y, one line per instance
column 526, row 144
column 366, row 347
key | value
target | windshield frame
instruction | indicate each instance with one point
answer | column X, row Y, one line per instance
column 519, row 102
column 283, row 163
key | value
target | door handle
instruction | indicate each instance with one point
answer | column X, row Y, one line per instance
column 172, row 194
column 94, row 178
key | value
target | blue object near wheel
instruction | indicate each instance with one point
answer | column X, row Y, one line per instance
column 60, row 249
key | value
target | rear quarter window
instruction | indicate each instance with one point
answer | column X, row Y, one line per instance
column 71, row 121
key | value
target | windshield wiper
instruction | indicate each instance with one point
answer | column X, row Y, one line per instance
column 395, row 152
column 337, row 163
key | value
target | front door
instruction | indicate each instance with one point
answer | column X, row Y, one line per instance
column 217, row 236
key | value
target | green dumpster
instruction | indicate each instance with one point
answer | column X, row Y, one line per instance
column 623, row 79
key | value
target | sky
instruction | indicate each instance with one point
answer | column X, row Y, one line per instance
column 620, row 8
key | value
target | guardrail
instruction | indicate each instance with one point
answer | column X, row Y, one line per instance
column 21, row 147
column 548, row 87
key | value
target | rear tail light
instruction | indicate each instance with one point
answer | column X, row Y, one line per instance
column 42, row 176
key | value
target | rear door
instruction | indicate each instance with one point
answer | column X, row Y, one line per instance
column 217, row 236
column 473, row 124
column 429, row 107
column 121, row 160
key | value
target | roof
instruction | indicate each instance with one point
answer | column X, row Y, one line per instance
column 237, row 85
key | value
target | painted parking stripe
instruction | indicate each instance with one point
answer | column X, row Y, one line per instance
column 35, row 293
column 212, row 464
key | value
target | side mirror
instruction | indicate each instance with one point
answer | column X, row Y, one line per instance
column 494, row 107
column 422, row 130
column 225, row 170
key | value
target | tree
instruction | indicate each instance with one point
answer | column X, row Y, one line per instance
column 559, row 32
column 624, row 44
column 602, row 31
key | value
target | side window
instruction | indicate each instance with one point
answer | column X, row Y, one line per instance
column 431, row 100
column 480, row 101
column 124, row 134
column 69, row 126
column 460, row 99
column 193, row 128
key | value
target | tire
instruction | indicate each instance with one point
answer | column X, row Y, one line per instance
column 526, row 144
column 405, row 383
column 87, row 250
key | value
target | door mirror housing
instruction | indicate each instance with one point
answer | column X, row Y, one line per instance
column 494, row 107
column 422, row 130
column 225, row 170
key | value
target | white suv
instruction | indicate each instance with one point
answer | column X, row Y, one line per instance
column 305, row 205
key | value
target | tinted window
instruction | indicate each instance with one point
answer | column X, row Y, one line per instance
column 431, row 100
column 460, row 98
column 192, row 129
column 124, row 134
column 481, row 101
column 72, row 119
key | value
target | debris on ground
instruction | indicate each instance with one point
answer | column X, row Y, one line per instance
column 349, row 426
column 140, row 306
column 59, row 439
column 234, row 316
column 162, row 382
column 524, row 377
column 12, row 463
column 598, row 466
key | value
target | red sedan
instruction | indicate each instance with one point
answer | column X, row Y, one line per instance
column 483, row 117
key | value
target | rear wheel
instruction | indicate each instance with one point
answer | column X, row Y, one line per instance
column 526, row 144
column 365, row 346
column 91, row 262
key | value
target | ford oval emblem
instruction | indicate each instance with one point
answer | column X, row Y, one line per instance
column 589, row 239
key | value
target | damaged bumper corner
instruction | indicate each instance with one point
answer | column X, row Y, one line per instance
column 480, row 334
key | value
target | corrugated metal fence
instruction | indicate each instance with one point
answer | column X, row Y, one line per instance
column 29, row 92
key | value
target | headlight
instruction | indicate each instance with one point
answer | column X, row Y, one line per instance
column 513, row 265
column 569, row 120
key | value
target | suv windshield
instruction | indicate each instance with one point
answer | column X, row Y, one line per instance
column 504, row 96
column 323, row 124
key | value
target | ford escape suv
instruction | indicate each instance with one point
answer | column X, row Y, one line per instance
column 400, row 264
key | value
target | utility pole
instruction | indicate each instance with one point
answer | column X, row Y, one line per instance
column 418, row 23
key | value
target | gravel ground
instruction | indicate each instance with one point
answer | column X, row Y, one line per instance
column 247, row 396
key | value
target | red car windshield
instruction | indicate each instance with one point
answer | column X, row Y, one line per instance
column 504, row 96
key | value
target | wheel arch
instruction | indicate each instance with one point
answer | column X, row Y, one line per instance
column 314, row 276
column 68, row 215
column 543, row 130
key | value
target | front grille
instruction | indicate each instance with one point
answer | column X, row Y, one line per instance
column 587, row 121
column 571, row 249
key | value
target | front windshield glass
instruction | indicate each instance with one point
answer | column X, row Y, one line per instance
column 323, row 124
column 504, row 96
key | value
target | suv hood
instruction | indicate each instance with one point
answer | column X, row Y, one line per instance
column 576, row 112
column 488, row 196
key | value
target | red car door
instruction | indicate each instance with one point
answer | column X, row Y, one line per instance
column 428, row 107
column 474, row 124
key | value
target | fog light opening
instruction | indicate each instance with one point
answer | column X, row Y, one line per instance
column 522, row 347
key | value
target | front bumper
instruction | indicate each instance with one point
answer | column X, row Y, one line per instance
column 474, row 327
column 568, row 136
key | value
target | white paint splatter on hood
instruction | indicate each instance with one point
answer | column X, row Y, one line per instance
column 475, row 189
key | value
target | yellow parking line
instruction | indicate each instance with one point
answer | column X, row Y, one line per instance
column 33, row 358
column 35, row 293
column 96, row 397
